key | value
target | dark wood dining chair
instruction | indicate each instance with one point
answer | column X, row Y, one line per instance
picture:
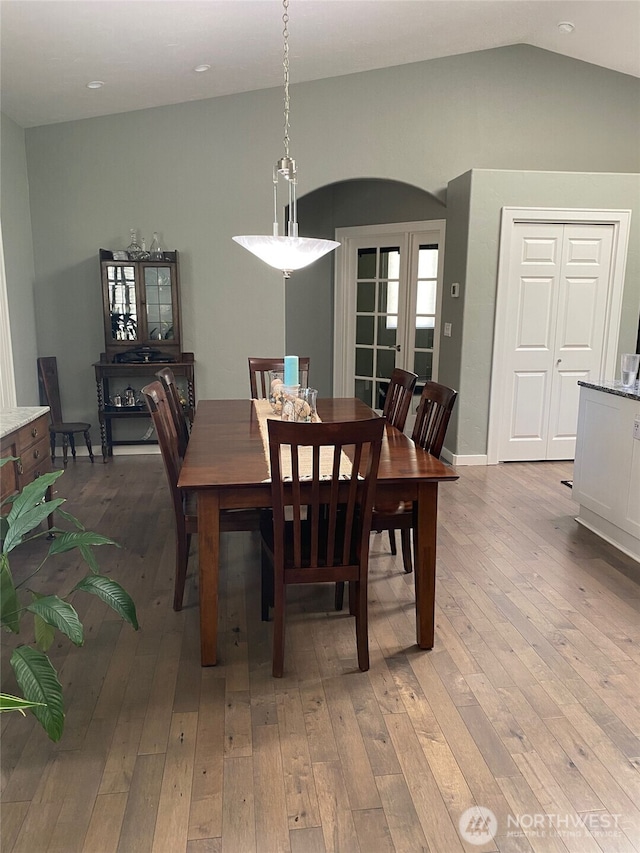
column 259, row 374
column 184, row 502
column 432, row 419
column 395, row 410
column 327, row 538
column 50, row 396
column 168, row 379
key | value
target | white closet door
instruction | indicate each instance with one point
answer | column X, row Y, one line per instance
column 559, row 279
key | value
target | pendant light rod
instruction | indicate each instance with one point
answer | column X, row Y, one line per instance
column 291, row 251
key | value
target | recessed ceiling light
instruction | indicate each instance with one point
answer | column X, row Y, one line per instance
column 95, row 84
column 566, row 27
column 201, row 68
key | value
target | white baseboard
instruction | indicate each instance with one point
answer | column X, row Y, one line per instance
column 120, row 450
column 458, row 459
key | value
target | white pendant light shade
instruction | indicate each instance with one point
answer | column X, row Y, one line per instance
column 287, row 253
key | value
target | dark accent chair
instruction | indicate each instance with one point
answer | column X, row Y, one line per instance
column 50, row 396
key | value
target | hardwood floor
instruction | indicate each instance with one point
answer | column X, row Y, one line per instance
column 527, row 706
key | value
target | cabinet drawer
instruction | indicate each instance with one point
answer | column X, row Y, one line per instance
column 32, row 433
column 8, row 472
column 34, row 460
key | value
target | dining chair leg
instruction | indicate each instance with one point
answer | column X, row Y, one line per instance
column 87, row 441
column 339, row 595
column 266, row 585
column 52, row 445
column 392, row 542
column 65, row 448
column 362, row 628
column 72, row 444
column 182, row 556
column 405, row 538
column 278, row 628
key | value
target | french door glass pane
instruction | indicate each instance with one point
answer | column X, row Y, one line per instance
column 367, row 263
column 364, row 361
column 428, row 262
column 422, row 364
column 389, row 297
column 389, row 262
column 426, row 303
column 366, row 296
column 364, row 330
column 364, row 388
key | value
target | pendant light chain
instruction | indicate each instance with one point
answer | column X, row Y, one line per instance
column 285, row 64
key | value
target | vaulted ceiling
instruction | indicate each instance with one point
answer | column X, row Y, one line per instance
column 145, row 51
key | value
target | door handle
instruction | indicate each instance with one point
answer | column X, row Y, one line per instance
column 559, row 361
column 396, row 347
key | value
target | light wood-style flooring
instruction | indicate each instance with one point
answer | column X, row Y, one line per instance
column 527, row 706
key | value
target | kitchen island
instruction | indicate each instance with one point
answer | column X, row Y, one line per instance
column 606, row 479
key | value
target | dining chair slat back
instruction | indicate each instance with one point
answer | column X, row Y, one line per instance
column 429, row 431
column 259, row 379
column 398, row 398
column 323, row 537
column 168, row 379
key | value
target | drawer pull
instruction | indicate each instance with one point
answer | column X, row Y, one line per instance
column 20, row 468
column 36, row 454
column 34, row 432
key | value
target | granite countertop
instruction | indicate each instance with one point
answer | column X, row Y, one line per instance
column 616, row 388
column 18, row 416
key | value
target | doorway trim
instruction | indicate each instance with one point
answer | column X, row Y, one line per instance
column 620, row 219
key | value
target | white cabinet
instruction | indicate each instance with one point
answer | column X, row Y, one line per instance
column 606, row 481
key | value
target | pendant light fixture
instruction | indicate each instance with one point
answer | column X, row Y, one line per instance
column 289, row 252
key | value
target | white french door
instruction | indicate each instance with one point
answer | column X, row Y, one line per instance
column 387, row 306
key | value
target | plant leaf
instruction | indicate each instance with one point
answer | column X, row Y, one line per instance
column 70, row 518
column 71, row 539
column 39, row 683
column 43, row 632
column 113, row 594
column 83, row 540
column 3, row 461
column 33, row 493
column 29, row 509
column 15, row 703
column 60, row 614
column 9, row 605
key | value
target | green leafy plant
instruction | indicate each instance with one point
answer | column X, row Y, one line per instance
column 34, row 672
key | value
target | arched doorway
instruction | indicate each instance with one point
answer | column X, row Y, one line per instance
column 310, row 292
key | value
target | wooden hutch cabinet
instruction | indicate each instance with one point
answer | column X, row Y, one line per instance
column 142, row 331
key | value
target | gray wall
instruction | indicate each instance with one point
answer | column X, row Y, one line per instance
column 18, row 259
column 200, row 172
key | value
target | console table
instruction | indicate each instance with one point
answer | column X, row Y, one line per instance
column 113, row 377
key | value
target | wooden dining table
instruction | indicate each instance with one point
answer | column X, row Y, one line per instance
column 226, row 466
